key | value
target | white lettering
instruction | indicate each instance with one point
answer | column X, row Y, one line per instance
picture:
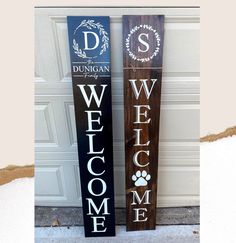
column 90, row 188
column 137, row 138
column 138, row 214
column 93, row 94
column 89, row 165
column 143, row 86
column 145, row 196
column 95, row 224
column 139, row 113
column 143, row 42
column 90, row 121
column 86, row 40
column 135, row 158
column 97, row 210
column 91, row 148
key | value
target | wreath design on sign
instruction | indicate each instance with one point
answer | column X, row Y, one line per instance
column 90, row 24
column 135, row 29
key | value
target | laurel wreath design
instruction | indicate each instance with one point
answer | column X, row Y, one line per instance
column 127, row 43
column 90, row 24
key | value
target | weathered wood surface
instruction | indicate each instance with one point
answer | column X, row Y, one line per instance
column 142, row 115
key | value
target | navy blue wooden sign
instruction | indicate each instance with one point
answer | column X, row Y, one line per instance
column 89, row 42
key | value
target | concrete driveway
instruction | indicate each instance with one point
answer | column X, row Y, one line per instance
column 162, row 234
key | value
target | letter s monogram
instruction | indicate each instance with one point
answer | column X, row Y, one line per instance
column 143, row 42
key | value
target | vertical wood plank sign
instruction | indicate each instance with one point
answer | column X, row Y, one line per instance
column 89, row 43
column 142, row 64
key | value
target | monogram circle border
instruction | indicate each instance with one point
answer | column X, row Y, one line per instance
column 135, row 29
column 90, row 24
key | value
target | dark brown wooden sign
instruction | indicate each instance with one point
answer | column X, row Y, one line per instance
column 89, row 42
column 143, row 50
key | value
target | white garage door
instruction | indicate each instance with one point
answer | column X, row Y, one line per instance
column 57, row 176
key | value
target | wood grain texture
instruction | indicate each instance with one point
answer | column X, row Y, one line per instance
column 137, row 70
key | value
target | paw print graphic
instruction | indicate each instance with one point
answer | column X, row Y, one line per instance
column 141, row 178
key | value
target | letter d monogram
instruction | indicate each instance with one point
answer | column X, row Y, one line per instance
column 86, row 47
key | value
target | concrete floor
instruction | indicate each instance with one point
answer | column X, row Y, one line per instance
column 73, row 216
column 162, row 234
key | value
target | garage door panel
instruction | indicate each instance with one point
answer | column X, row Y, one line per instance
column 46, row 58
column 55, row 187
column 170, row 154
column 175, row 90
column 57, row 183
column 171, row 184
column 59, row 28
column 45, row 128
column 59, row 120
column 70, row 117
column 172, row 118
column 55, row 131
column 178, row 181
column 180, row 108
column 180, row 55
column 171, row 181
